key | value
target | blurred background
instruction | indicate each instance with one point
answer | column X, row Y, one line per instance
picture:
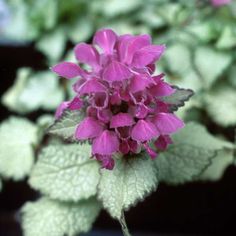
column 200, row 36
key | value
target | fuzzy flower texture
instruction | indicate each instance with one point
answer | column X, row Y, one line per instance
column 122, row 98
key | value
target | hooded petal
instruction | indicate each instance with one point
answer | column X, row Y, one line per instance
column 106, row 143
column 100, row 100
column 124, row 147
column 105, row 39
column 167, row 123
column 129, row 44
column 107, row 161
column 88, row 128
column 161, row 89
column 91, row 86
column 61, row 108
column 68, row 70
column 75, row 104
column 144, row 131
column 147, row 55
column 162, row 142
column 151, row 152
column 139, row 83
column 104, row 115
column 87, row 54
column 116, row 71
column 121, row 120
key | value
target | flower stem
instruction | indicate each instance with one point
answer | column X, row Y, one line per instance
column 123, row 224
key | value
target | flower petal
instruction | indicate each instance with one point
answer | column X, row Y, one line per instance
column 139, row 83
column 121, row 120
column 116, row 71
column 151, row 152
column 162, row 142
column 105, row 39
column 130, row 44
column 147, row 55
column 107, row 161
column 144, row 131
column 88, row 128
column 91, row 86
column 167, row 123
column 99, row 100
column 61, row 108
column 106, row 144
column 75, row 104
column 124, row 147
column 68, row 70
column 87, row 54
column 161, row 89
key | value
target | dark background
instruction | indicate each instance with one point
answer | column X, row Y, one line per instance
column 191, row 209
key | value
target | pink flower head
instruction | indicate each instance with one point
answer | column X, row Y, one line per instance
column 218, row 3
column 121, row 96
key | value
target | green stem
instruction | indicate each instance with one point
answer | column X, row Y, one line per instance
column 123, row 224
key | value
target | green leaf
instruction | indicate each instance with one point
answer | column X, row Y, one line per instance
column 211, row 64
column 18, row 136
column 232, row 75
column 33, row 91
column 81, row 30
column 53, row 45
column 65, row 126
column 227, row 39
column 178, row 64
column 129, row 182
column 115, row 7
column 221, row 105
column 216, row 170
column 178, row 98
column 66, row 172
column 192, row 152
column 52, row 218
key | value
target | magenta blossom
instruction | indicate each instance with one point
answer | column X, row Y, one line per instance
column 217, row 3
column 122, row 98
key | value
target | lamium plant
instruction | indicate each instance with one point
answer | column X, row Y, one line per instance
column 116, row 140
column 118, row 130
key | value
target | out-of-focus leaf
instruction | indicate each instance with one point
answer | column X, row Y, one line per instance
column 227, row 39
column 221, row 105
column 33, row 91
column 232, row 75
column 53, row 45
column 18, row 136
column 211, row 64
column 81, row 30
column 47, row 217
column 216, row 170
column 178, row 58
column 112, row 8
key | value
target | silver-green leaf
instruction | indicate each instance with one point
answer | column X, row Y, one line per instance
column 192, row 152
column 53, row 218
column 129, row 182
column 178, row 98
column 65, row 126
column 66, row 172
column 18, row 136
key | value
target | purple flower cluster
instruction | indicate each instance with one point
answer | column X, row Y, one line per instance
column 217, row 3
column 125, row 112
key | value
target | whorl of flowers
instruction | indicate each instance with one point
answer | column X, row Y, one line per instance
column 121, row 96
